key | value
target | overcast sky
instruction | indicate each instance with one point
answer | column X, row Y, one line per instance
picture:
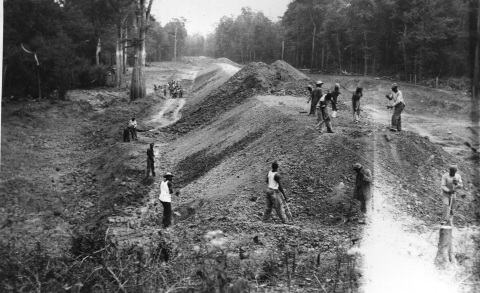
column 202, row 15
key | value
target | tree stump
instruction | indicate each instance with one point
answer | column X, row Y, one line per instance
column 445, row 256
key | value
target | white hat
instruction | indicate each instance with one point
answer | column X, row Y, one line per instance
column 319, row 82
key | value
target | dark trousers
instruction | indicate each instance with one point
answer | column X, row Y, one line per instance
column 133, row 132
column 314, row 105
column 126, row 135
column 273, row 200
column 167, row 214
column 397, row 117
column 150, row 166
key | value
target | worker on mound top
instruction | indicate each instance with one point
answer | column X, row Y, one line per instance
column 363, row 189
column 273, row 199
column 450, row 182
column 317, row 93
column 399, row 105
column 356, row 104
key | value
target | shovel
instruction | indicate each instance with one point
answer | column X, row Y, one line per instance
column 288, row 209
column 305, row 109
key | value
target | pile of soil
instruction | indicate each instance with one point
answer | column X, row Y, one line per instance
column 226, row 61
column 253, row 79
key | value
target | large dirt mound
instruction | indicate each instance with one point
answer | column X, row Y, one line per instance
column 253, row 79
column 287, row 67
column 209, row 79
column 226, row 61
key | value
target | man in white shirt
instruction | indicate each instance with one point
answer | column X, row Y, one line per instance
column 166, row 192
column 398, row 105
column 132, row 126
column 273, row 199
column 450, row 182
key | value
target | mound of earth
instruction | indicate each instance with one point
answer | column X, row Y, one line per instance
column 209, row 79
column 253, row 79
column 226, row 61
column 290, row 69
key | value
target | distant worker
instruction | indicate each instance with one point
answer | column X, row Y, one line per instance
column 132, row 127
column 335, row 94
column 150, row 160
column 166, row 192
column 323, row 114
column 273, row 199
column 356, row 104
column 450, row 182
column 363, row 189
column 398, row 105
column 180, row 93
column 317, row 93
column 165, row 91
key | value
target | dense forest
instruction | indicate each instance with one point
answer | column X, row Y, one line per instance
column 407, row 38
column 55, row 45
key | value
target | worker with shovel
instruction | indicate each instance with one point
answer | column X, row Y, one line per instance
column 450, row 182
column 166, row 192
column 335, row 94
column 317, row 93
column 363, row 189
column 323, row 114
column 356, row 104
column 150, row 161
column 273, row 199
column 398, row 105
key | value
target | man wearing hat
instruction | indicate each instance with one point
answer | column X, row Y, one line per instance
column 399, row 105
column 317, row 93
column 166, row 191
column 363, row 189
column 323, row 114
column 356, row 104
column 150, row 160
column 450, row 182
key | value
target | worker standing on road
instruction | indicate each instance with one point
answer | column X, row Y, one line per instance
column 317, row 93
column 180, row 93
column 132, row 127
column 150, row 160
column 356, row 104
column 165, row 91
column 273, row 199
column 450, row 182
column 363, row 189
column 166, row 192
column 399, row 105
column 324, row 114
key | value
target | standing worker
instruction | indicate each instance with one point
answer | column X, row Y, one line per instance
column 335, row 94
column 150, row 161
column 166, row 192
column 132, row 127
column 363, row 189
column 399, row 105
column 273, row 199
column 356, row 104
column 450, row 182
column 324, row 113
column 317, row 93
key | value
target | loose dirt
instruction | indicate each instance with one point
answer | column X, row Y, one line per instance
column 219, row 141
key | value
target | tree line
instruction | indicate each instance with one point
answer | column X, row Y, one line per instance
column 408, row 38
column 56, row 45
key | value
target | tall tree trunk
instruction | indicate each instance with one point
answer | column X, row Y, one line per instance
column 366, row 50
column 138, row 90
column 119, row 77
column 374, row 58
column 4, row 76
column 339, row 53
column 124, row 52
column 97, row 52
column 175, row 46
column 283, row 48
column 405, row 50
column 313, row 40
column 298, row 49
column 323, row 54
column 476, row 69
